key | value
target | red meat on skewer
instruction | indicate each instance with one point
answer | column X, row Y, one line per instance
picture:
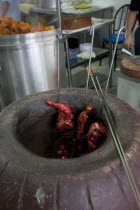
column 96, row 132
column 82, row 120
column 62, row 151
column 65, row 116
column 70, row 146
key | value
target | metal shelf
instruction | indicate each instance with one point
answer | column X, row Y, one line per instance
column 44, row 11
column 64, row 35
column 100, row 53
column 78, row 13
column 98, row 25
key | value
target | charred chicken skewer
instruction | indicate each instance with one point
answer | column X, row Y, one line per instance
column 96, row 132
column 82, row 142
column 82, row 120
column 62, row 151
column 65, row 116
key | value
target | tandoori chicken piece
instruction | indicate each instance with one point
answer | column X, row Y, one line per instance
column 76, row 141
column 62, row 151
column 82, row 120
column 65, row 116
column 95, row 134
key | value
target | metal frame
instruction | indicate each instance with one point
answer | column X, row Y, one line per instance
column 108, row 116
column 102, row 99
column 67, row 49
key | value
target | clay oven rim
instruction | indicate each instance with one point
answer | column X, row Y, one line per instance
column 11, row 150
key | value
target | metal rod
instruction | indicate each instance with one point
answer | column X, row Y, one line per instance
column 92, row 30
column 110, row 51
column 116, row 140
column 111, row 68
column 58, row 70
column 58, row 5
column 68, row 64
column 60, row 37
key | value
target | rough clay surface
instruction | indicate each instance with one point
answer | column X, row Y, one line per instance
column 96, row 181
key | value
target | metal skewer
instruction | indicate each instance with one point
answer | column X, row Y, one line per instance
column 58, row 4
column 111, row 124
column 111, row 68
column 104, row 107
column 116, row 139
column 58, row 71
column 92, row 30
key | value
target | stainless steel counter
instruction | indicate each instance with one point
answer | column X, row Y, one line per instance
column 101, row 52
column 81, row 12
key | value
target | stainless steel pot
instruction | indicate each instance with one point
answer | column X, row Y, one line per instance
column 47, row 4
column 28, row 64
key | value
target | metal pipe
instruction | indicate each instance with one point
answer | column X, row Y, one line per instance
column 68, row 64
column 111, row 68
column 92, row 30
column 110, row 51
column 58, row 69
column 58, row 5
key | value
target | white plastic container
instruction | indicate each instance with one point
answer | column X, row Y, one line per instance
column 85, row 47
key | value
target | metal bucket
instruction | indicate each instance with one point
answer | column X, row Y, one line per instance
column 48, row 4
column 28, row 64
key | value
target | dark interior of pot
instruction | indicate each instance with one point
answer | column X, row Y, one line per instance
column 36, row 130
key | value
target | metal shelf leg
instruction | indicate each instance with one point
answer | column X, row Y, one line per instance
column 68, row 64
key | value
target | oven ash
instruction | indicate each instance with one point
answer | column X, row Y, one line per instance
column 76, row 137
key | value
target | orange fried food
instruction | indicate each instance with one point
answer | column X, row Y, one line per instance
column 14, row 27
column 6, row 19
column 5, row 32
column 40, row 27
column 48, row 28
column 10, row 27
column 24, row 27
column 43, row 28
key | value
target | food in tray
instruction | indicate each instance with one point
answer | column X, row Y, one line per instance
column 10, row 27
column 82, row 6
column 86, row 55
column 77, row 134
column 77, row 22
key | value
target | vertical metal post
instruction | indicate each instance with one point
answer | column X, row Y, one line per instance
column 113, row 57
column 84, row 37
column 110, row 51
column 110, row 70
column 61, row 66
column 92, row 30
column 68, row 64
column 58, row 9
